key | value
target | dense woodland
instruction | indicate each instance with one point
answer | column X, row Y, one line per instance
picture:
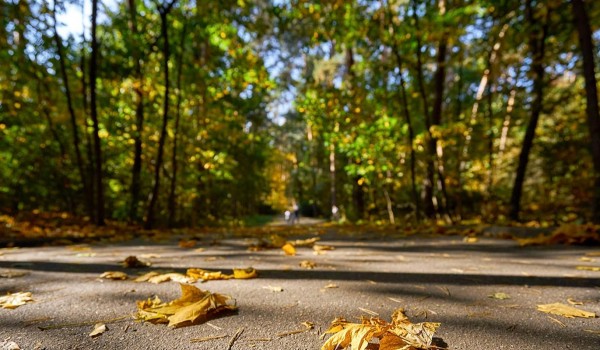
column 175, row 113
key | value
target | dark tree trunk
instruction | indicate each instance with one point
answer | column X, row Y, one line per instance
column 407, row 117
column 435, row 149
column 537, row 40
column 94, row 115
column 591, row 92
column 164, row 13
column 428, row 205
column 91, row 178
column 139, row 116
column 79, row 159
column 173, row 189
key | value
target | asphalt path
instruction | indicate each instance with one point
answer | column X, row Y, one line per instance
column 439, row 279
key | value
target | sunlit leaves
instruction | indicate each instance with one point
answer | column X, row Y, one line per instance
column 194, row 306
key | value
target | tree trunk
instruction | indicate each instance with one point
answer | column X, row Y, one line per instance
column 91, row 177
column 537, row 41
column 79, row 159
column 428, row 206
column 407, row 118
column 94, row 112
column 593, row 114
column 435, row 148
column 173, row 192
column 164, row 12
column 139, row 116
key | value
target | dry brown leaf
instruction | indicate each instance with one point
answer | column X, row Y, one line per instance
column 114, row 275
column 565, row 310
column 194, row 306
column 187, row 243
column 173, row 276
column 400, row 334
column 289, row 249
column 307, row 264
column 14, row 300
column 147, row 276
column 133, row 262
column 205, row 275
column 99, row 328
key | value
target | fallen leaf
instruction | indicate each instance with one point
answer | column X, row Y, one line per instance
column 14, row 300
column 470, row 239
column 593, row 331
column 499, row 295
column 565, row 310
column 318, row 248
column 194, row 306
column 400, row 334
column 574, row 302
column 289, row 249
column 187, row 243
column 305, row 242
column 99, row 328
column 114, row 275
column 12, row 274
column 205, row 275
column 173, row 276
column 586, row 259
column 273, row 288
column 133, row 262
column 242, row 274
column 331, row 285
column 147, row 276
column 307, row 264
column 565, row 234
column 588, row 268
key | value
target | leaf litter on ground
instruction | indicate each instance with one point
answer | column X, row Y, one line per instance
column 14, row 300
column 565, row 310
column 400, row 334
column 193, row 307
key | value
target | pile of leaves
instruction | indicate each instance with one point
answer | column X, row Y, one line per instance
column 400, row 334
column 570, row 234
column 193, row 307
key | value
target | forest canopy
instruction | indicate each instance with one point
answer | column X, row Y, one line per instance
column 185, row 113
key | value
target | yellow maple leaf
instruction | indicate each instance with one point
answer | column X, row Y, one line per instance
column 14, row 300
column 194, row 306
column 565, row 310
column 206, row 275
column 400, row 334
column 242, row 274
column 289, row 249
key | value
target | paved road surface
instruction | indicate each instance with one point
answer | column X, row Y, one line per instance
column 435, row 279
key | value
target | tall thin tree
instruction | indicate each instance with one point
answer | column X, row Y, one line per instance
column 163, row 11
column 538, row 33
column 94, row 114
column 582, row 23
